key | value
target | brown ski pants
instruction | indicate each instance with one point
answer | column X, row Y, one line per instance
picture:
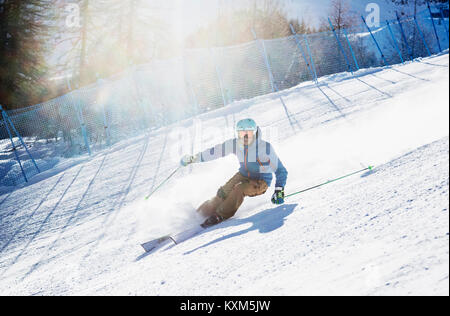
column 230, row 196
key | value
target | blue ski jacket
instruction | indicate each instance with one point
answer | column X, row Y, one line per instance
column 258, row 161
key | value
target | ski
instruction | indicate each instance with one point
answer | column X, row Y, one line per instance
column 156, row 243
column 174, row 239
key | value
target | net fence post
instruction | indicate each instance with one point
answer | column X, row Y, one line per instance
column 351, row 49
column 313, row 66
column 394, row 41
column 441, row 11
column 12, row 142
column 434, row 26
column 375, row 41
column 404, row 36
column 340, row 46
column 213, row 55
column 266, row 60
column 421, row 36
column 80, row 117
column 302, row 51
column 194, row 98
column 132, row 76
column 22, row 142
column 106, row 127
column 101, row 81
column 79, row 113
column 190, row 86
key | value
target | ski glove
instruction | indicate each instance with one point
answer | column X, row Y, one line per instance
column 188, row 159
column 278, row 196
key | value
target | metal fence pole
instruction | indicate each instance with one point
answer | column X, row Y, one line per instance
column 444, row 23
column 218, row 76
column 266, row 59
column 404, row 36
column 12, row 143
column 301, row 50
column 106, row 127
column 351, row 49
column 80, row 118
column 394, row 41
column 194, row 98
column 132, row 77
column 310, row 57
column 376, row 43
column 340, row 46
column 421, row 35
column 22, row 142
column 191, row 87
column 105, row 121
column 434, row 27
column 229, row 94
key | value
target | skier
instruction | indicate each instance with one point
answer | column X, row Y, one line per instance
column 258, row 161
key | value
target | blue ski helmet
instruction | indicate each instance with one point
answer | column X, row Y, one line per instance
column 246, row 125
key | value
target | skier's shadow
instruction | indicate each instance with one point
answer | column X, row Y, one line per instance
column 265, row 222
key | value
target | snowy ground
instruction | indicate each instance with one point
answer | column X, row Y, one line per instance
column 77, row 231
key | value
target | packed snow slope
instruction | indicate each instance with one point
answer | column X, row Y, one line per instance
column 77, row 229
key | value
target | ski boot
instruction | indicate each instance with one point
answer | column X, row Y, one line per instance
column 212, row 220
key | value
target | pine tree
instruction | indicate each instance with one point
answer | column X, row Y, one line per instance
column 112, row 35
column 24, row 29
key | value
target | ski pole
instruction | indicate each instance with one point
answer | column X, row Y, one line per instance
column 329, row 181
column 162, row 183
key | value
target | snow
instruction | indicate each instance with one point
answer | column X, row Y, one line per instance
column 48, row 155
column 77, row 229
